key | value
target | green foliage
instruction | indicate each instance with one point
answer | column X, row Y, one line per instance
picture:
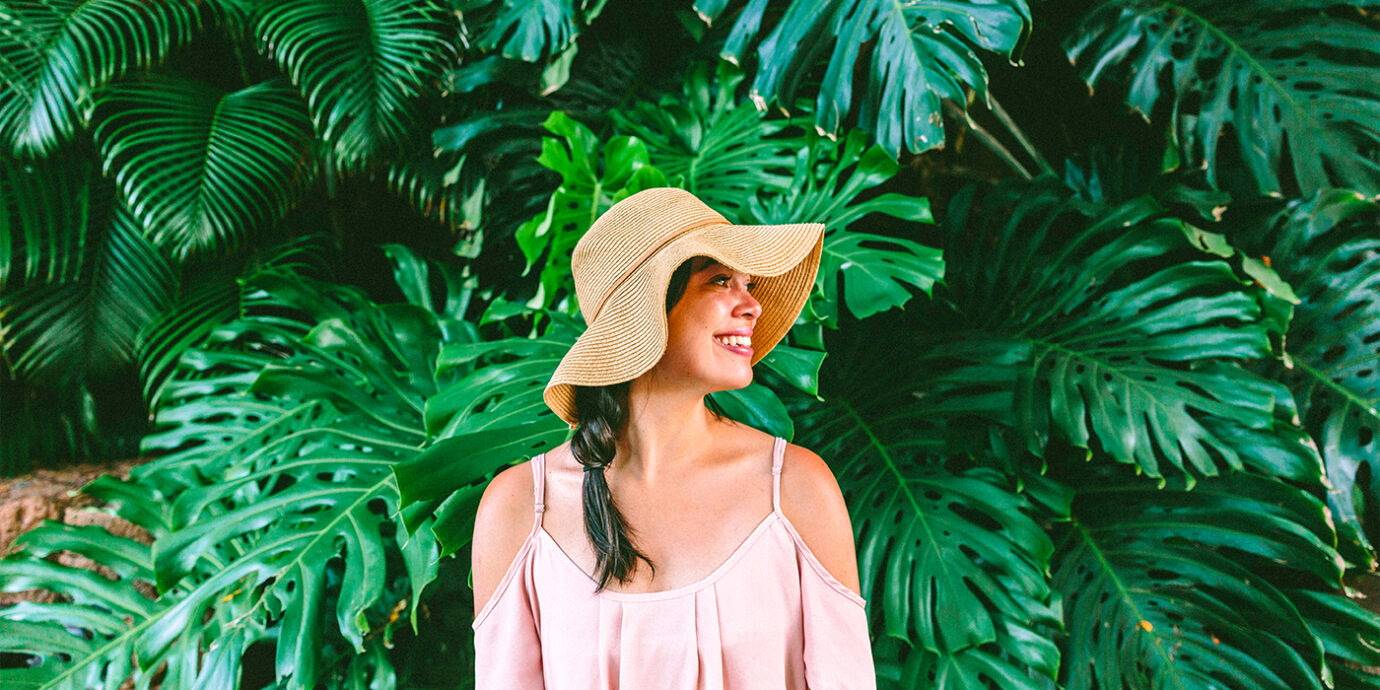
column 57, row 53
column 1348, row 635
column 325, row 452
column 712, row 143
column 284, row 470
column 1099, row 336
column 829, row 178
column 1327, row 247
column 83, row 285
column 100, row 621
column 50, row 206
column 61, row 332
column 358, row 65
column 530, row 30
column 920, row 54
column 179, row 150
column 1269, row 72
column 1117, row 433
column 1162, row 589
column 593, row 178
column 953, row 563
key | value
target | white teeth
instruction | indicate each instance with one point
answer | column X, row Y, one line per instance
column 735, row 340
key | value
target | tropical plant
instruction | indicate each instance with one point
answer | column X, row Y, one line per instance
column 1258, row 79
column 1109, row 430
column 55, row 54
column 283, row 427
column 205, row 173
column 920, row 55
column 1333, row 256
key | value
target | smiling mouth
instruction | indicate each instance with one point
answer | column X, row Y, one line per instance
column 745, row 350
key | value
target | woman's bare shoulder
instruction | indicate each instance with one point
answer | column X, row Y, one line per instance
column 501, row 525
column 812, row 501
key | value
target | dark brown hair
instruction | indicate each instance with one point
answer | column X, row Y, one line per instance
column 603, row 413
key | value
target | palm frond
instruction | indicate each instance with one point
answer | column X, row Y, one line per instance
column 67, row 331
column 202, row 169
column 359, row 66
column 48, row 208
column 54, row 54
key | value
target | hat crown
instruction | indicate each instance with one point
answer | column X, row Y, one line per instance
column 629, row 233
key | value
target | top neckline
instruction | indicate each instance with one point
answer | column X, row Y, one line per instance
column 674, row 592
column 539, row 530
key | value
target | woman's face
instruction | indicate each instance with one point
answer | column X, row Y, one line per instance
column 710, row 329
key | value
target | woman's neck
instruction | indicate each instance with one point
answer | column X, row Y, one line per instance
column 666, row 434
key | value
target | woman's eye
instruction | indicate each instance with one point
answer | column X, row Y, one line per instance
column 726, row 278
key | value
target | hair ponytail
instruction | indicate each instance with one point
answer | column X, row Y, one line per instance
column 603, row 411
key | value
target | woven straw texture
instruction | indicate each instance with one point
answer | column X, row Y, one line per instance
column 624, row 263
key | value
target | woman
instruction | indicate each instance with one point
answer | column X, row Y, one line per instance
column 636, row 555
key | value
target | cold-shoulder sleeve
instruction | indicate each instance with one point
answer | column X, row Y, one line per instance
column 507, row 645
column 838, row 649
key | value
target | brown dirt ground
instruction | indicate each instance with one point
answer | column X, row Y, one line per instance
column 51, row 494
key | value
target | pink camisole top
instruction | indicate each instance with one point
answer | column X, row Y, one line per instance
column 770, row 617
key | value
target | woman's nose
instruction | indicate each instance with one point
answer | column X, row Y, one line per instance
column 749, row 304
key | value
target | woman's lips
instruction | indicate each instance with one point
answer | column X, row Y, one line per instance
column 745, row 350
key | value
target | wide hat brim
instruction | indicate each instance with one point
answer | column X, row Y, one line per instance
column 629, row 336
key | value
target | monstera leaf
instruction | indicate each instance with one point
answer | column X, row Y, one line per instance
column 705, row 140
column 199, row 168
column 278, row 512
column 827, row 179
column 359, row 65
column 1349, row 633
column 56, row 53
column 952, row 561
column 921, row 53
column 91, row 637
column 529, row 30
column 593, row 178
column 1173, row 588
column 1268, row 72
column 1326, row 246
column 1083, row 328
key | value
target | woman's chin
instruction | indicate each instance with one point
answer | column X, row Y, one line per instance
column 733, row 383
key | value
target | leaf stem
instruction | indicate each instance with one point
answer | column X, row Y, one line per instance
column 1010, row 124
column 987, row 139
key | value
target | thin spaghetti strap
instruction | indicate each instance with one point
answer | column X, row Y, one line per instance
column 539, row 485
column 778, row 453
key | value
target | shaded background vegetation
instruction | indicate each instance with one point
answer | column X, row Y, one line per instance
column 1093, row 349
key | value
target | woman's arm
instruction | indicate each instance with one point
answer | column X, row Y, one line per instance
column 507, row 641
column 812, row 501
column 837, row 645
column 504, row 519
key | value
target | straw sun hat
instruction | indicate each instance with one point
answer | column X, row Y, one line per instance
column 623, row 265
